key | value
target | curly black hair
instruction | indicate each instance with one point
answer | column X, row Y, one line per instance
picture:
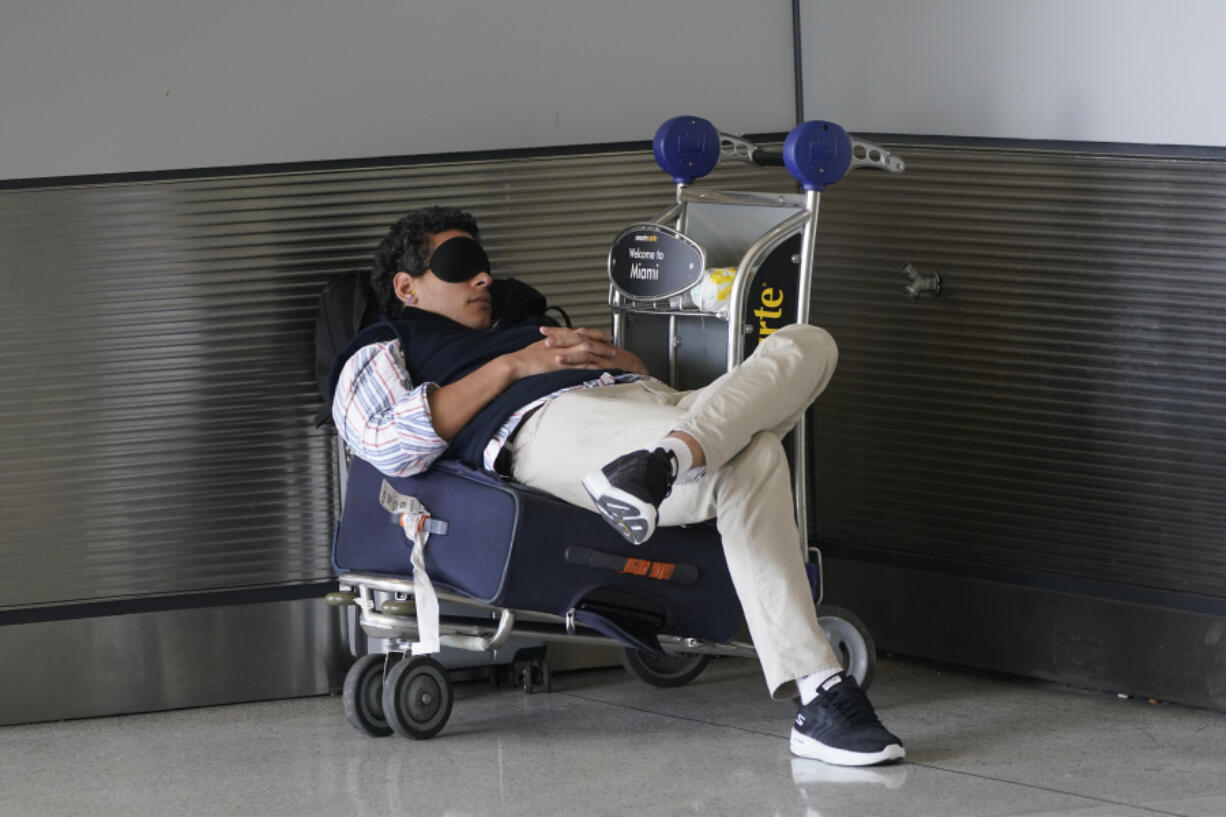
column 406, row 248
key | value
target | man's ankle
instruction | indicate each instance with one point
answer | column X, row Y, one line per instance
column 697, row 457
column 809, row 685
column 680, row 445
column 680, row 451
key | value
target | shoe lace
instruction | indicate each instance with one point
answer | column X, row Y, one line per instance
column 851, row 705
column 661, row 473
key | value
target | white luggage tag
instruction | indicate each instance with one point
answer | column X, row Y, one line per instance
column 417, row 523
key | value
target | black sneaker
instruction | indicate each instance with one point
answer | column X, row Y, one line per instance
column 628, row 491
column 839, row 726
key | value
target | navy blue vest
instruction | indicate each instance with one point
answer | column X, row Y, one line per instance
column 439, row 350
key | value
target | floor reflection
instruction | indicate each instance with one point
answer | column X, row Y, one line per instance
column 814, row 781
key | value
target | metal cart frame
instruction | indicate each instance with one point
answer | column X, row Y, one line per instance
column 411, row 695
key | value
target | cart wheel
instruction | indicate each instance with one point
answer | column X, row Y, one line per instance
column 664, row 670
column 363, row 696
column 852, row 642
column 417, row 698
column 535, row 677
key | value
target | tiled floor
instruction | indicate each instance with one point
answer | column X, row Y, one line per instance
column 605, row 744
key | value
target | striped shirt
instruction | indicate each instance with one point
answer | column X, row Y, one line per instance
column 385, row 419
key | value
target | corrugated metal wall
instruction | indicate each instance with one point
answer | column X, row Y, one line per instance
column 156, row 354
column 1060, row 407
column 1057, row 409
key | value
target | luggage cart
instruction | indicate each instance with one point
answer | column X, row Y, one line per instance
column 667, row 307
column 764, row 243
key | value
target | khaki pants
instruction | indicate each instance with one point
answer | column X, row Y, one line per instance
column 738, row 420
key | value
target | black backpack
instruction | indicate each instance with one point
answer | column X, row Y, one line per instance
column 348, row 305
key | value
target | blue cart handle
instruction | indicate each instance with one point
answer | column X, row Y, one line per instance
column 816, row 153
column 819, row 153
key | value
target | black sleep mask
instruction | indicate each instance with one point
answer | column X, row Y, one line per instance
column 458, row 259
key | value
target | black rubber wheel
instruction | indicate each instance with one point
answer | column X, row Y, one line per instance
column 536, row 678
column 664, row 670
column 852, row 642
column 363, row 696
column 417, row 698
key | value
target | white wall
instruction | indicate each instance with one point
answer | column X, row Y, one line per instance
column 1144, row 71
column 100, row 86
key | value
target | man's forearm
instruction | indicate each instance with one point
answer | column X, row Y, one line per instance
column 453, row 405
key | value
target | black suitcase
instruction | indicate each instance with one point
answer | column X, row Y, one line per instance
column 511, row 546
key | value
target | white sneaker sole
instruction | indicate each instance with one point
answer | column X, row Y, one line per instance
column 630, row 516
column 805, row 746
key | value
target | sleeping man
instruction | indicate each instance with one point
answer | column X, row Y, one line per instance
column 567, row 412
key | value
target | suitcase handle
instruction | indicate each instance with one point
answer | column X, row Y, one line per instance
column 663, row 571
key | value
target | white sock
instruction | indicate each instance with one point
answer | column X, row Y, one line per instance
column 809, row 685
column 685, row 460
